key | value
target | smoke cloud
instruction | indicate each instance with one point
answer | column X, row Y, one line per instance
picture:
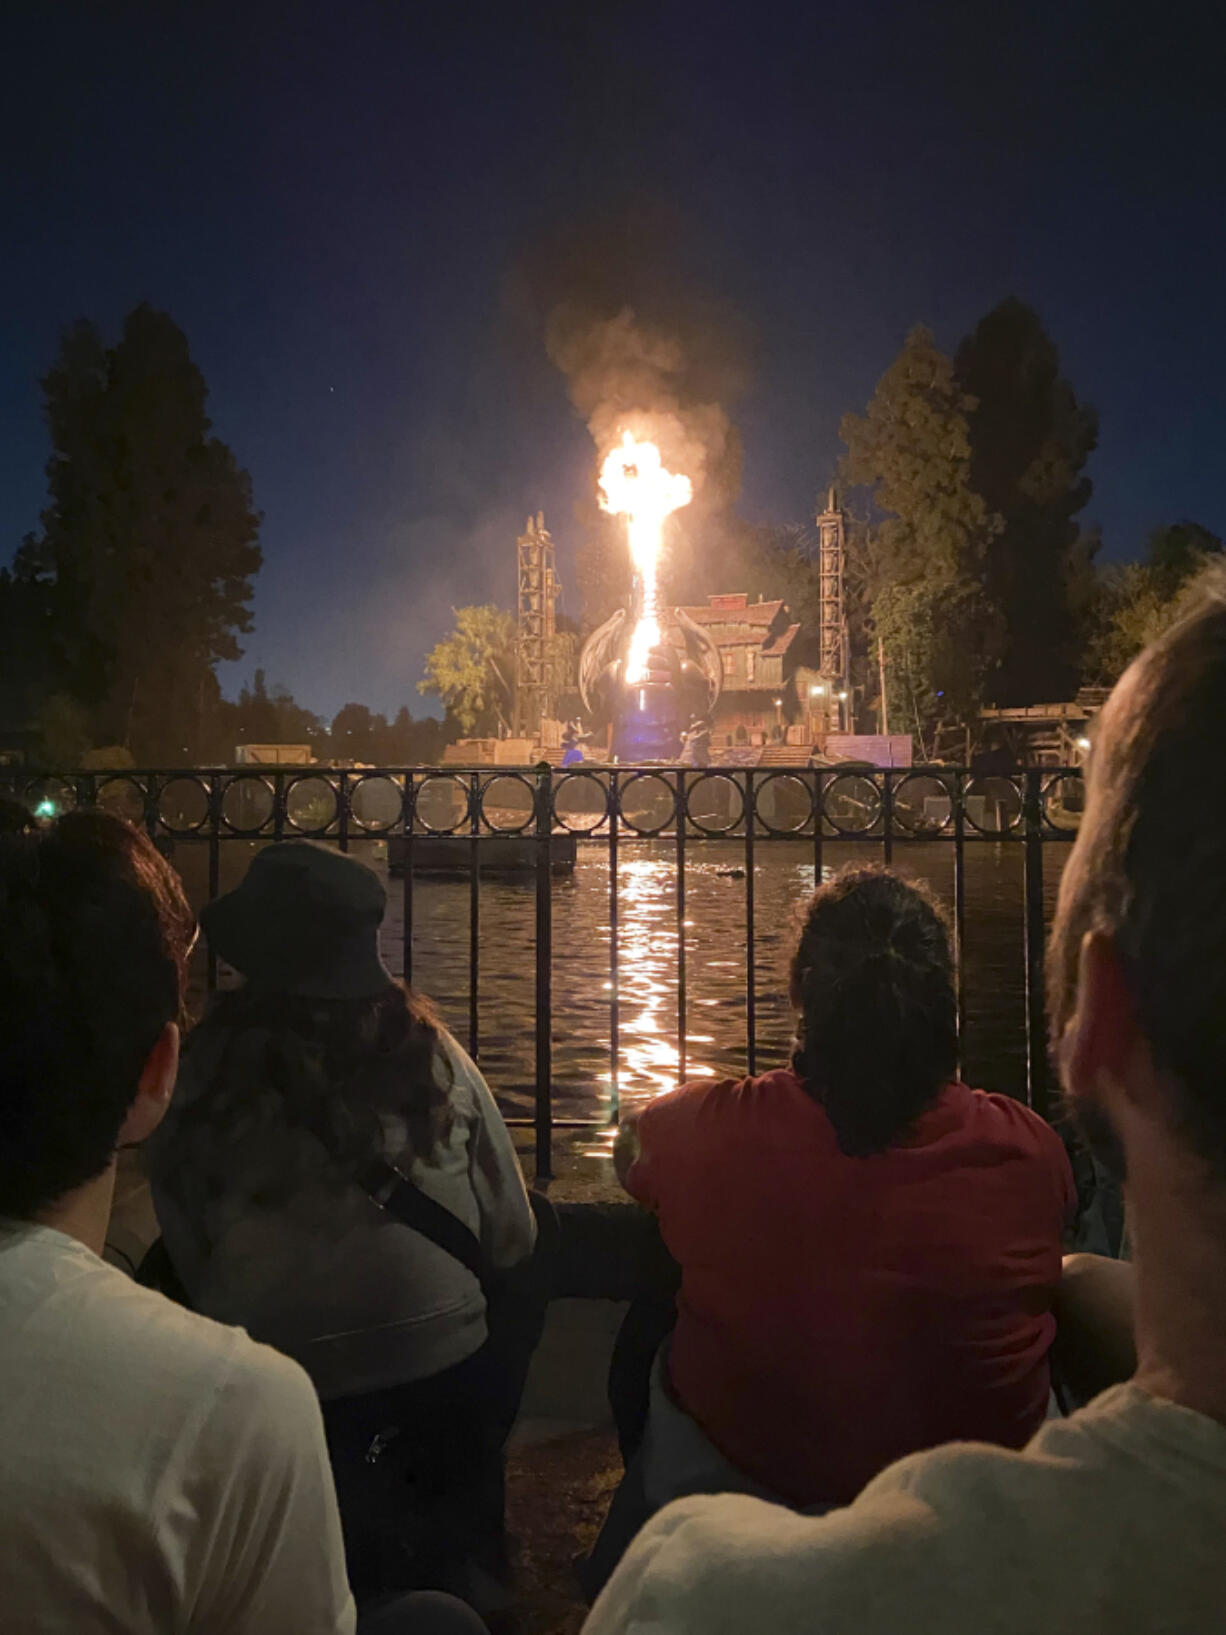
column 628, row 375
column 621, row 302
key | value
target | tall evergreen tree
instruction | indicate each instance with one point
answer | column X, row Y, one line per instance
column 927, row 553
column 148, row 542
column 1030, row 439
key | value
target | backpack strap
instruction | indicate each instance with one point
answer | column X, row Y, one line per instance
column 394, row 1192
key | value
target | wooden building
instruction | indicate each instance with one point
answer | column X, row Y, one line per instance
column 773, row 693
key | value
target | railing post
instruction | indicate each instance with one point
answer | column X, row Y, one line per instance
column 474, row 915
column 544, row 974
column 818, row 792
column 751, row 993
column 957, row 790
column 407, row 815
column 215, row 800
column 342, row 812
column 614, row 810
column 1037, row 1091
column 682, row 1024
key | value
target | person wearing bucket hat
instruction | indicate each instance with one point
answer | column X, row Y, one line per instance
column 305, row 920
column 318, row 1070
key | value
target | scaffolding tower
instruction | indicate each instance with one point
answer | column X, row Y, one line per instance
column 831, row 562
column 536, row 690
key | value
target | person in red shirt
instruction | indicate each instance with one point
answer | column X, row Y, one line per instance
column 868, row 1248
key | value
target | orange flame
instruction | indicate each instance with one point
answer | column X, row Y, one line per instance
column 634, row 484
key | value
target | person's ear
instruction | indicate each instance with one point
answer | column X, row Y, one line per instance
column 153, row 1093
column 1099, row 1044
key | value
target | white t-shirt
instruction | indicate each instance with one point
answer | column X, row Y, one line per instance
column 1112, row 1522
column 158, row 1472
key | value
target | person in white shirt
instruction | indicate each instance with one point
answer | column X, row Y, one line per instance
column 158, row 1471
column 1111, row 1520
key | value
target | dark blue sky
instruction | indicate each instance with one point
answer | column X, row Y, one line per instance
column 338, row 203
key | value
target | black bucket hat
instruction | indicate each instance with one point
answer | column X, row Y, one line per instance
column 305, row 920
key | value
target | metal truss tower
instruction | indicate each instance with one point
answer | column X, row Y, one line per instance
column 832, row 557
column 535, row 682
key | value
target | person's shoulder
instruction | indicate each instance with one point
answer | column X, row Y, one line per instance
column 887, row 1561
column 183, row 1341
column 1008, row 1121
column 735, row 1563
column 158, row 1359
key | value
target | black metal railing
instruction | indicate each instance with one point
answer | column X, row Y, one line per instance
column 415, row 808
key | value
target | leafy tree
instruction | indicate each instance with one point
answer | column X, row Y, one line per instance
column 63, row 732
column 911, row 449
column 259, row 716
column 1029, row 440
column 473, row 670
column 1137, row 601
column 148, row 542
column 358, row 734
column 27, row 677
column 1178, row 551
column 932, row 675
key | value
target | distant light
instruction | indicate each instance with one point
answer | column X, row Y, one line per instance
column 1083, row 743
column 778, row 703
column 842, row 695
column 816, row 692
column 45, row 809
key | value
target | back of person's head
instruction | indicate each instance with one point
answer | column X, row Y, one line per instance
column 94, row 937
column 294, row 1074
column 1147, row 881
column 873, row 981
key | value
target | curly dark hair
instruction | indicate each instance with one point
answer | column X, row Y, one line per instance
column 94, row 937
column 274, row 1069
column 873, row 980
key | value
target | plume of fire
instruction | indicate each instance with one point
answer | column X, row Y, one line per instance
column 634, row 484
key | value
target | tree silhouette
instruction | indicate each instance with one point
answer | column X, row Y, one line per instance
column 148, row 542
column 1029, row 439
column 926, row 556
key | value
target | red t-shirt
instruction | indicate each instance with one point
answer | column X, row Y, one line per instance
column 837, row 1313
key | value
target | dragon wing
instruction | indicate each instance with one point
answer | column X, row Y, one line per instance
column 701, row 646
column 599, row 651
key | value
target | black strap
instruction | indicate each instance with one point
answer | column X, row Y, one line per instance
column 393, row 1191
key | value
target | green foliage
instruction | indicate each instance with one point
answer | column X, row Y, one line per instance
column 916, row 579
column 1137, row 601
column 63, row 732
column 912, row 449
column 148, row 542
column 933, row 674
column 472, row 671
column 1178, row 551
column 1029, row 440
column 260, row 716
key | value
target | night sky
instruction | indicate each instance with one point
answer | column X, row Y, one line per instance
column 354, row 210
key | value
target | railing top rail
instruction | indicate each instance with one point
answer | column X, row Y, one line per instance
column 845, row 801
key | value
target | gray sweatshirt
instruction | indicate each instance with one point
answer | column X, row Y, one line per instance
column 331, row 1280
